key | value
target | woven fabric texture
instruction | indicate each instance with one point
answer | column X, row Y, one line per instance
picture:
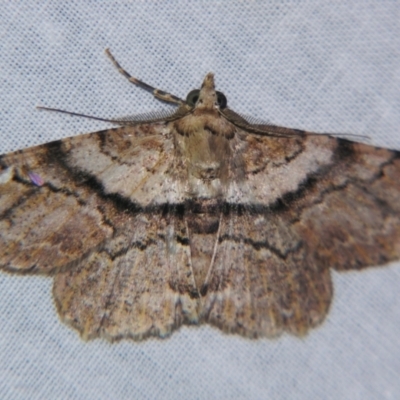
column 317, row 65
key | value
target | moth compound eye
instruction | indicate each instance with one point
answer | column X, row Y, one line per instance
column 192, row 97
column 222, row 101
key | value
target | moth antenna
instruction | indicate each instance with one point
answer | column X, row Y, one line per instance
column 114, row 121
column 157, row 93
column 350, row 135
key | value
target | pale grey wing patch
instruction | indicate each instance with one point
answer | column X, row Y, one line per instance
column 48, row 163
column 139, row 285
column 260, row 290
column 58, row 203
column 136, row 162
column 273, row 167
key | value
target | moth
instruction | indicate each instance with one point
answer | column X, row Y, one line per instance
column 199, row 216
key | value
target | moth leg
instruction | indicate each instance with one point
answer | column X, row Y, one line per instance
column 204, row 286
column 189, row 251
column 157, row 93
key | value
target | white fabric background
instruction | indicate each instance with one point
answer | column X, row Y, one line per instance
column 318, row 65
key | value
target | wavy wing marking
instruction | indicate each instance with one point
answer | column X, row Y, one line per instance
column 61, row 200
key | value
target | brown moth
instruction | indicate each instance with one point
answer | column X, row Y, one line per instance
column 197, row 217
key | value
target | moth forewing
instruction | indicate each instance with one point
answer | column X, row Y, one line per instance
column 199, row 216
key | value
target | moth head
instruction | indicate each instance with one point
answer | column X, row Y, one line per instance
column 207, row 96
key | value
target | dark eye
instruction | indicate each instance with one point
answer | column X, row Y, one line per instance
column 222, row 102
column 192, row 97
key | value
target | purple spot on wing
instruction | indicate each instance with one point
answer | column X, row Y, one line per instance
column 36, row 179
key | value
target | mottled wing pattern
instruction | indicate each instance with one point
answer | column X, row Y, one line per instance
column 61, row 200
column 344, row 205
column 249, row 267
column 139, row 284
column 260, row 288
column 271, row 270
column 200, row 218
